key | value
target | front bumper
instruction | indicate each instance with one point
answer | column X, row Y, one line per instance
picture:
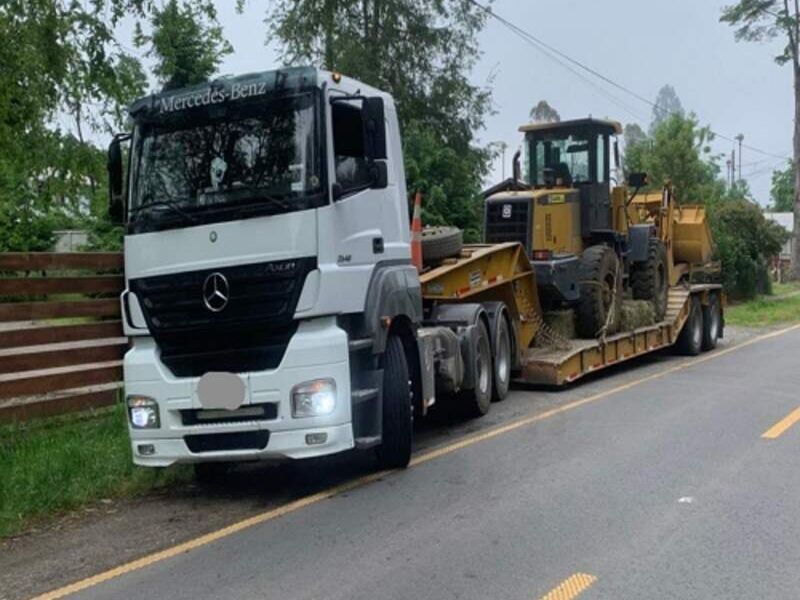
column 319, row 349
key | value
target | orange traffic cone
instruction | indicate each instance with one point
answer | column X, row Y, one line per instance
column 416, row 233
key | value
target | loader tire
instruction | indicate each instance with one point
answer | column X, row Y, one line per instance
column 477, row 401
column 712, row 322
column 690, row 339
column 439, row 243
column 600, row 291
column 649, row 279
column 394, row 451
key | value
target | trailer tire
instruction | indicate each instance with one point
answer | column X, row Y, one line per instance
column 439, row 243
column 712, row 322
column 649, row 279
column 501, row 361
column 690, row 339
column 600, row 291
column 477, row 401
column 394, row 451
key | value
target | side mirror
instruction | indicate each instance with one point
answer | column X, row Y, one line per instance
column 380, row 174
column 637, row 180
column 116, row 183
column 374, row 128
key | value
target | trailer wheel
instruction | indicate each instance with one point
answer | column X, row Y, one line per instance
column 690, row 340
column 600, row 291
column 394, row 451
column 439, row 243
column 649, row 279
column 712, row 322
column 476, row 402
column 501, row 362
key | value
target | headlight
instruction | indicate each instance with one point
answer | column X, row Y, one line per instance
column 314, row 398
column 143, row 412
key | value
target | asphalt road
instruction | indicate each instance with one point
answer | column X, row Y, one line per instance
column 654, row 482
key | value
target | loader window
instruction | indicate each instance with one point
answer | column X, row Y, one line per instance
column 602, row 159
column 565, row 158
column 352, row 168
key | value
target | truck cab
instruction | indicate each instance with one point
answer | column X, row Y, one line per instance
column 267, row 263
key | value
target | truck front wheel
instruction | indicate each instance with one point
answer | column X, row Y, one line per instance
column 394, row 451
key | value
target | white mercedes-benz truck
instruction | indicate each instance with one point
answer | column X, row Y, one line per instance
column 270, row 299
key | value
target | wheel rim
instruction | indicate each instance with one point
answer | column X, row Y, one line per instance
column 484, row 376
column 608, row 292
column 503, row 359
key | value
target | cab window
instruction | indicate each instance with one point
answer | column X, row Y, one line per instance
column 352, row 172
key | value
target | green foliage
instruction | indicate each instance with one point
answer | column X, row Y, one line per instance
column 760, row 20
column 186, row 41
column 745, row 241
column 421, row 53
column 782, row 192
column 677, row 151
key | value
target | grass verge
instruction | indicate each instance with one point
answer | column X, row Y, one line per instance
column 47, row 467
column 765, row 311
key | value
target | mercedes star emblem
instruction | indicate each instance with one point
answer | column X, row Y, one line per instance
column 216, row 292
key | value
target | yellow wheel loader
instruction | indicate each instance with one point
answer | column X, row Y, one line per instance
column 589, row 240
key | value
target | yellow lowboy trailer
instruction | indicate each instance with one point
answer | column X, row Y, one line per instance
column 502, row 274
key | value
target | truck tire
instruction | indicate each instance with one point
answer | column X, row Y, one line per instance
column 600, row 291
column 476, row 402
column 439, row 243
column 649, row 279
column 501, row 361
column 690, row 339
column 712, row 322
column 394, row 451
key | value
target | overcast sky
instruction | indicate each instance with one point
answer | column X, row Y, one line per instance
column 642, row 44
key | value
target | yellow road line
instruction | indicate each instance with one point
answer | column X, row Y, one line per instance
column 571, row 588
column 419, row 459
column 781, row 426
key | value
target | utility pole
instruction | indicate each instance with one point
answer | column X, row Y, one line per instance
column 740, row 139
column 728, row 165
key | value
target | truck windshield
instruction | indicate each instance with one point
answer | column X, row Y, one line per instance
column 201, row 166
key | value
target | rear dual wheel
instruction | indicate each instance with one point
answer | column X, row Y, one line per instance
column 702, row 328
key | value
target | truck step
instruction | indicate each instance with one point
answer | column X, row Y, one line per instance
column 358, row 345
column 362, row 443
column 364, row 395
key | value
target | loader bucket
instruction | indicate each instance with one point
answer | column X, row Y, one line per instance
column 692, row 242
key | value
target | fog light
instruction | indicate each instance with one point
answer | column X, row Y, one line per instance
column 314, row 439
column 314, row 398
column 143, row 412
column 146, row 449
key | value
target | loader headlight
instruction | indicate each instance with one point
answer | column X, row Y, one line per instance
column 314, row 398
column 143, row 412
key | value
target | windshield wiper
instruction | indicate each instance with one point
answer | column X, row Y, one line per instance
column 262, row 202
column 169, row 204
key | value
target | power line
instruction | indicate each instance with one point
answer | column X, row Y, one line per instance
column 545, row 47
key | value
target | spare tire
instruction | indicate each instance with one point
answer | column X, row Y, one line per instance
column 439, row 243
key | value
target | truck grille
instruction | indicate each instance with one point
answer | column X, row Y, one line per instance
column 508, row 220
column 216, row 442
column 250, row 332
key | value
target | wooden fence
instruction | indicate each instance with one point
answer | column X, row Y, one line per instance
column 61, row 339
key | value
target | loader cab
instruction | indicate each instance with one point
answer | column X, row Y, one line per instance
column 575, row 155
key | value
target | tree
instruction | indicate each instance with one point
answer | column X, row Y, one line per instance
column 186, row 41
column 782, row 192
column 667, row 104
column 758, row 20
column 677, row 151
column 421, row 53
column 544, row 113
column 633, row 134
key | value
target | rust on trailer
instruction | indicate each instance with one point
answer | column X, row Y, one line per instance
column 488, row 273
